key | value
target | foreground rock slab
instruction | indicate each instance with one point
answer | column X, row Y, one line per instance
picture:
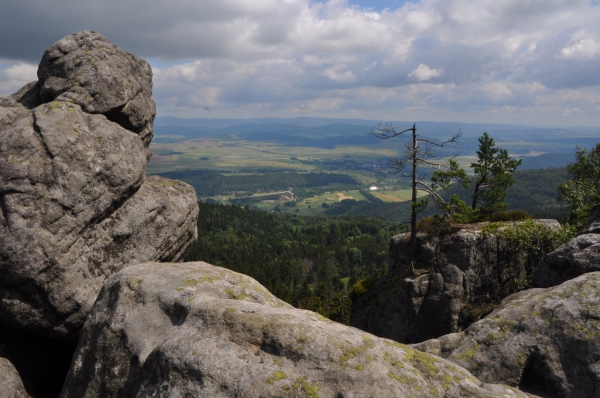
column 546, row 341
column 193, row 329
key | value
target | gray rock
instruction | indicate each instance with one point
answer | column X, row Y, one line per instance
column 11, row 385
column 458, row 277
column 88, row 70
column 28, row 96
column 546, row 341
column 69, row 217
column 18, row 104
column 552, row 225
column 576, row 257
column 193, row 329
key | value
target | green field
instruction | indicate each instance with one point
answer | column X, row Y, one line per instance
column 212, row 166
column 314, row 205
column 208, row 153
column 393, row 196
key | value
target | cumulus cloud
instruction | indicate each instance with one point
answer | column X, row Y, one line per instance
column 459, row 59
column 424, row 72
column 16, row 76
column 22, row 72
column 583, row 49
column 338, row 74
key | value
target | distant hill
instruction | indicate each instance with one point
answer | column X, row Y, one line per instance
column 547, row 160
column 327, row 133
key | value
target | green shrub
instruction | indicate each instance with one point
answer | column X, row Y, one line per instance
column 434, row 225
column 361, row 287
column 528, row 238
column 512, row 215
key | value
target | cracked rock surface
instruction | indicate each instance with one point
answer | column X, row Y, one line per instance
column 75, row 205
column 86, row 69
column 455, row 280
column 194, row 329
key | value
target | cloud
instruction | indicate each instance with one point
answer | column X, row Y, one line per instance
column 335, row 73
column 14, row 77
column 465, row 60
column 22, row 72
column 424, row 72
column 583, row 49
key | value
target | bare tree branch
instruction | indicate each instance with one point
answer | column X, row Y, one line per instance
column 386, row 131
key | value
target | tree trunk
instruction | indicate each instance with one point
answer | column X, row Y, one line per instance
column 413, row 214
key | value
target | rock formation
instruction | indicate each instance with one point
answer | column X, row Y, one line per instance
column 576, row 257
column 193, row 329
column 88, row 70
column 457, row 278
column 75, row 205
column 546, row 341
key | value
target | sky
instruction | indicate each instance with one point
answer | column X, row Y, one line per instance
column 529, row 62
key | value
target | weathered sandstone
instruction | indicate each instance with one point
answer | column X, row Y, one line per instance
column 193, row 329
column 11, row 385
column 576, row 257
column 86, row 69
column 546, row 341
column 75, row 206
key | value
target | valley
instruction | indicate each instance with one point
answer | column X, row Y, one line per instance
column 334, row 167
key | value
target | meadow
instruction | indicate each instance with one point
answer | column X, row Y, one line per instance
column 213, row 164
column 210, row 153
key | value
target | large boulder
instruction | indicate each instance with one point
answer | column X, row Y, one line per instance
column 458, row 277
column 578, row 256
column 75, row 204
column 86, row 69
column 193, row 329
column 546, row 341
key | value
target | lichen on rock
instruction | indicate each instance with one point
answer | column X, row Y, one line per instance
column 145, row 337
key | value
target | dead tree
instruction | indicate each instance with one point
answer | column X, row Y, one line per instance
column 418, row 152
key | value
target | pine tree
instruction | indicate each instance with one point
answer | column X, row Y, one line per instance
column 583, row 190
column 493, row 172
